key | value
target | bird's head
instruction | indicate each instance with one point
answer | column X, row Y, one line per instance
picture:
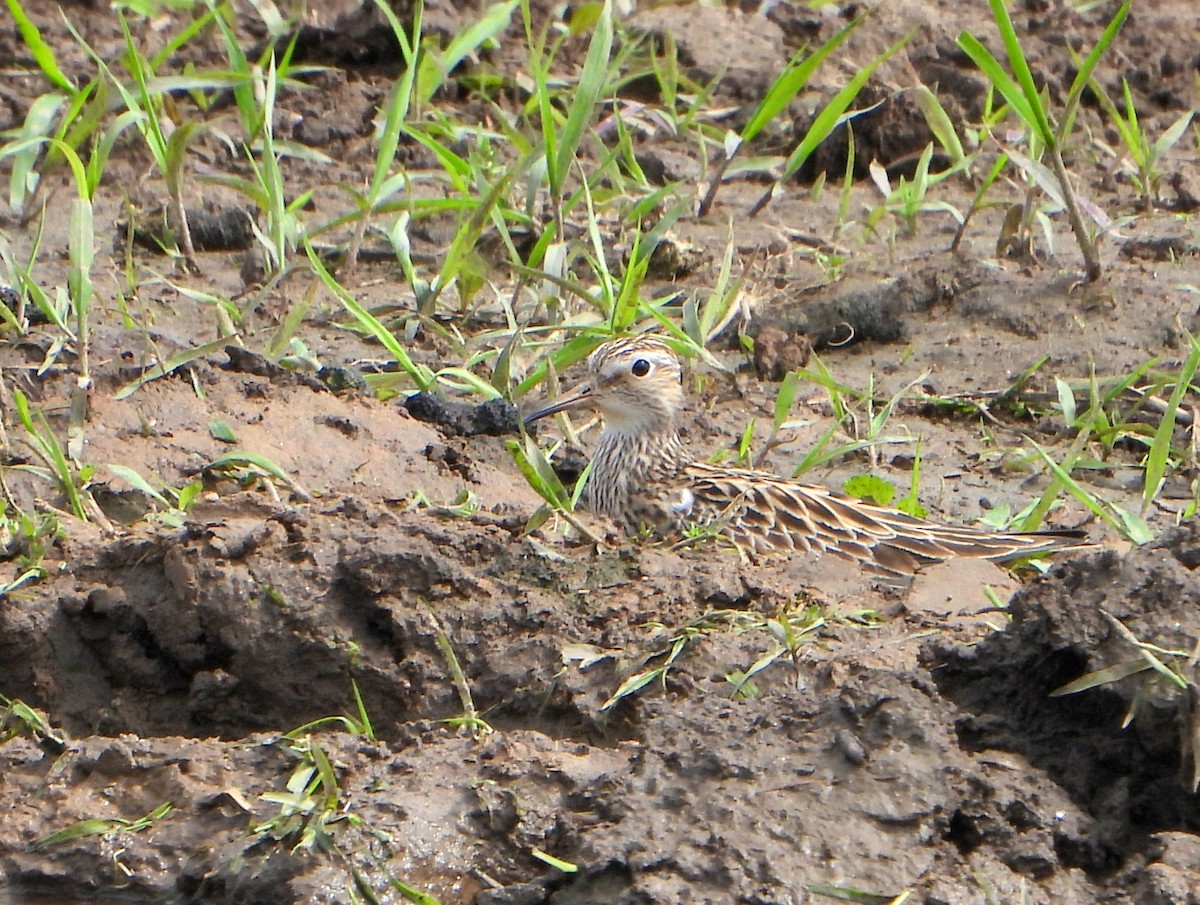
column 635, row 383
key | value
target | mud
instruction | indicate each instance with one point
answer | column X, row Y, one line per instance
column 906, row 740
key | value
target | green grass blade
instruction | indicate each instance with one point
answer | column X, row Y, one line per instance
column 24, row 151
column 572, row 352
column 793, row 78
column 1020, row 68
column 171, row 365
column 434, row 72
column 1105, row 676
column 586, row 96
column 1090, row 62
column 421, row 375
column 137, row 482
column 401, row 99
column 1160, row 447
column 1063, row 476
column 940, row 124
column 1001, row 80
column 42, row 54
column 828, row 119
column 239, row 459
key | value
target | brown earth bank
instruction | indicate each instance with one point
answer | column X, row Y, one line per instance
column 561, row 722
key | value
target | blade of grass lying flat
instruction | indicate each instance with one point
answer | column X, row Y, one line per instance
column 853, row 894
column 1099, row 677
column 172, row 364
column 236, row 460
column 557, row 863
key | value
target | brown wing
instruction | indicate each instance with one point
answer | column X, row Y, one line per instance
column 763, row 512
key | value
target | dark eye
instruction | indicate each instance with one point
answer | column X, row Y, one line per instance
column 640, row 368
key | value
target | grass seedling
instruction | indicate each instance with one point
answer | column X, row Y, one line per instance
column 704, row 320
column 421, row 375
column 72, row 304
column 250, row 468
column 171, row 365
column 173, row 504
column 791, row 630
column 311, row 803
column 470, row 720
column 841, row 399
column 644, row 677
column 25, row 538
column 358, row 725
column 81, row 112
column 560, row 140
column 535, row 466
column 256, row 92
column 1160, row 447
column 19, row 720
column 437, row 64
column 1145, row 156
column 57, row 468
column 145, row 109
column 1022, row 96
column 910, row 198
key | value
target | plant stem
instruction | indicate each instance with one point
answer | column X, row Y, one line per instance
column 1087, row 244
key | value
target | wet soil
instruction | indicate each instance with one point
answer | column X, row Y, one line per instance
column 910, row 741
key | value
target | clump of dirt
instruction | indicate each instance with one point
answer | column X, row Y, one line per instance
column 183, row 648
column 1124, row 751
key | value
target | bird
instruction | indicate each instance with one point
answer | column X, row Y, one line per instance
column 643, row 478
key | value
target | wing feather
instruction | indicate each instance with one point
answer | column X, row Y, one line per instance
column 760, row 510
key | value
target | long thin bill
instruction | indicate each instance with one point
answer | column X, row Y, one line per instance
column 578, row 397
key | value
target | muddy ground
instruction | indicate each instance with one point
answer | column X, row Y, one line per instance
column 909, row 742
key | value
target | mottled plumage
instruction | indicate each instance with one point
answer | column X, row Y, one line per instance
column 643, row 477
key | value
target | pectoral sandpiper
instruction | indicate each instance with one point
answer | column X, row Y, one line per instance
column 642, row 477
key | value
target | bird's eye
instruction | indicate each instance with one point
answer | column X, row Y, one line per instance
column 640, row 368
